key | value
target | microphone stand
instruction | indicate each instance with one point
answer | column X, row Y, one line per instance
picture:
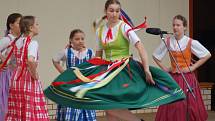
column 189, row 89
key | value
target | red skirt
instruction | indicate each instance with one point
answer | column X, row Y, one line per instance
column 26, row 99
column 177, row 111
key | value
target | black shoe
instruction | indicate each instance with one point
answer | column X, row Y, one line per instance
column 142, row 120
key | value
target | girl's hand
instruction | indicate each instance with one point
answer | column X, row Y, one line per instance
column 4, row 68
column 190, row 69
column 35, row 76
column 168, row 69
column 149, row 78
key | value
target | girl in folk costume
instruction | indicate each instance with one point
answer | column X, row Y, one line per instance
column 182, row 48
column 12, row 32
column 26, row 99
column 75, row 54
column 106, row 84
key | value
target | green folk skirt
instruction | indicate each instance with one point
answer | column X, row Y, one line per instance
column 103, row 85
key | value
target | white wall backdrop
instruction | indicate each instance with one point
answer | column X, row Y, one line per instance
column 58, row 17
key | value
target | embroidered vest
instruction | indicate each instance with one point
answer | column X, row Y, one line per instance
column 117, row 49
column 183, row 62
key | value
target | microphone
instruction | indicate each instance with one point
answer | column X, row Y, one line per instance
column 156, row 31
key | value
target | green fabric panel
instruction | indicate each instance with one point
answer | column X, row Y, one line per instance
column 136, row 94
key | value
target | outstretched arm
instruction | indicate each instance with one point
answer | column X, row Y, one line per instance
column 144, row 58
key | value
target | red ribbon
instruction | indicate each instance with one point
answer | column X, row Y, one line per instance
column 25, row 55
column 99, row 61
column 141, row 26
column 90, row 76
column 109, row 35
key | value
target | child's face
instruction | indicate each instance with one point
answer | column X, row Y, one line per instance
column 35, row 28
column 178, row 27
column 15, row 26
column 113, row 12
column 77, row 41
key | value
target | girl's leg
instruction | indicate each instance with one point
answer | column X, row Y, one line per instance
column 122, row 114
